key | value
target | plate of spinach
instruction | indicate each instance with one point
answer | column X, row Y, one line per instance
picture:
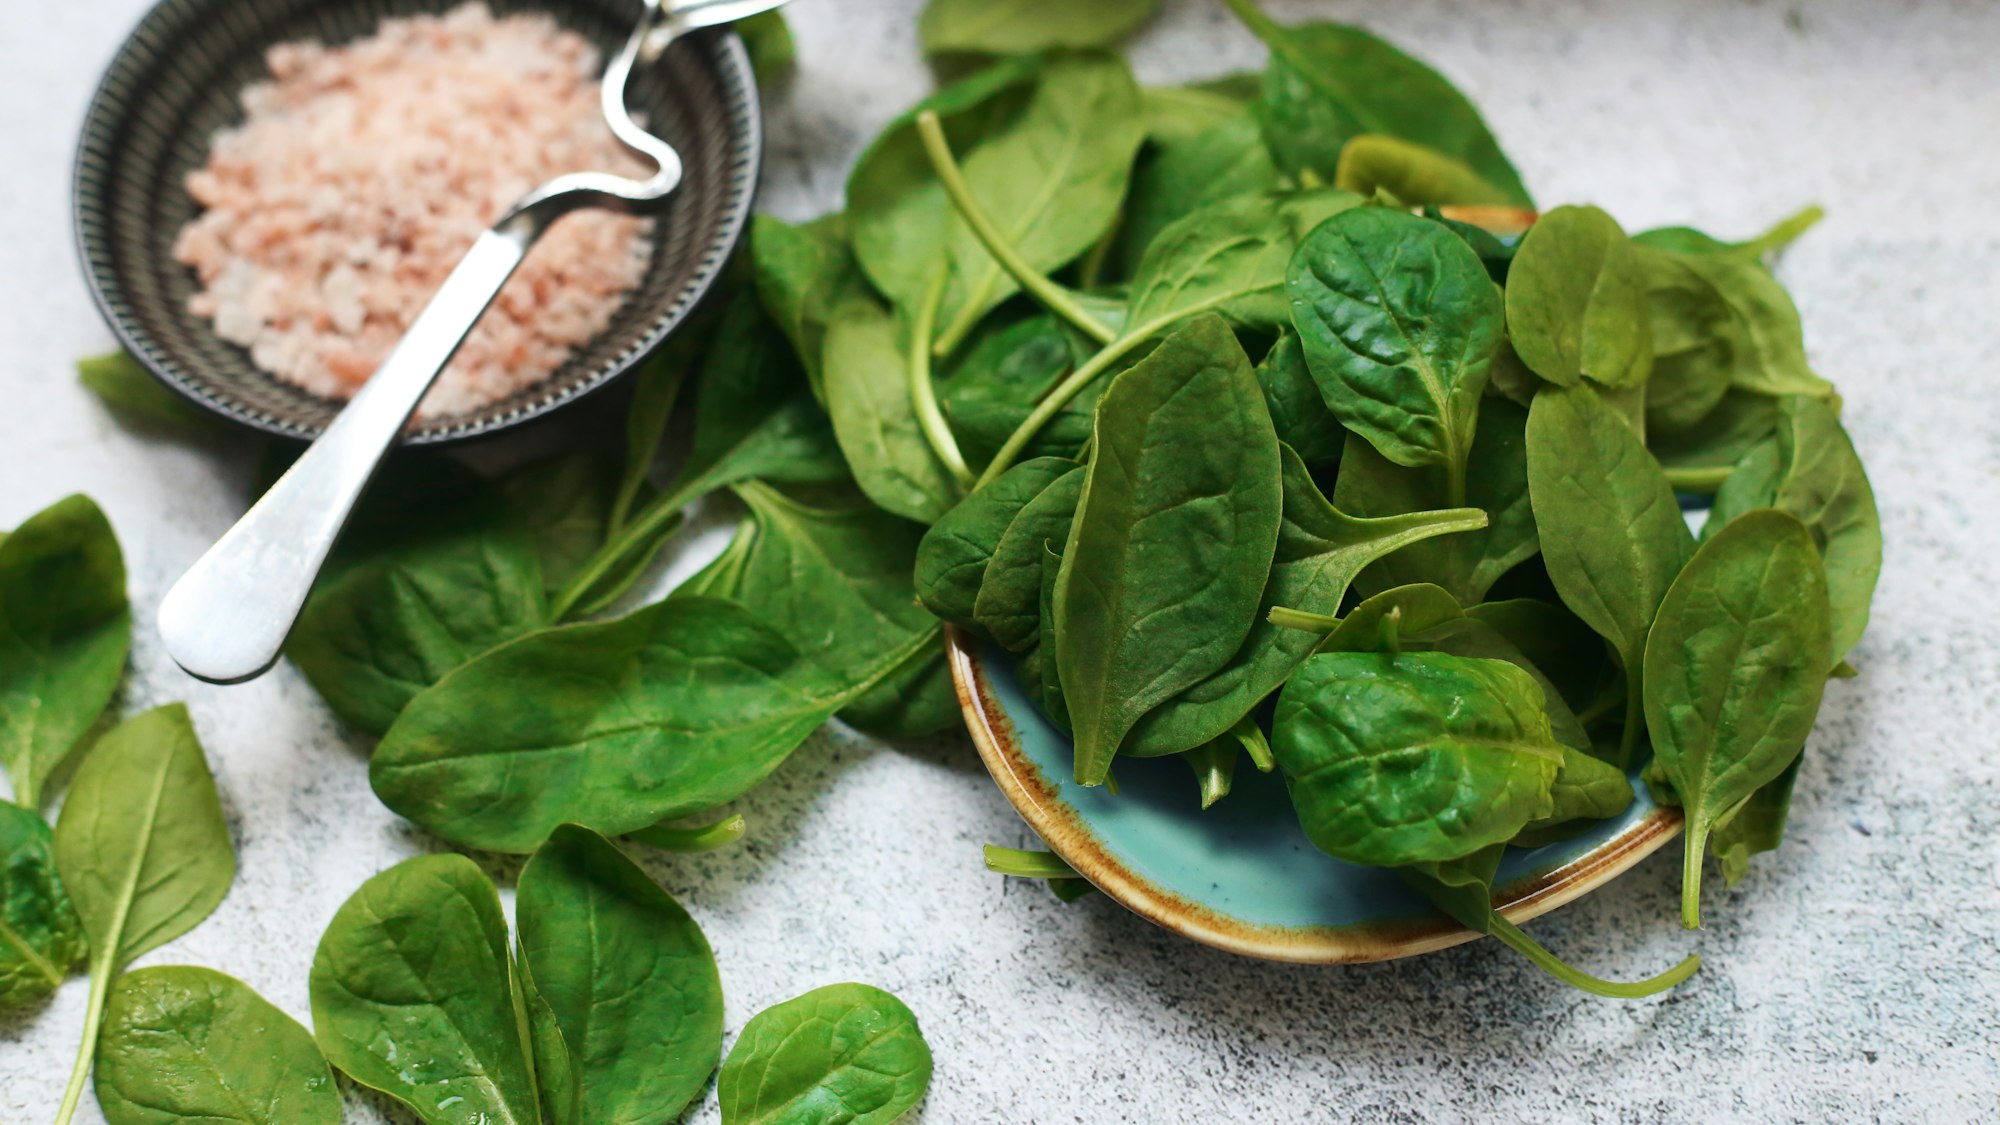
column 1462, row 551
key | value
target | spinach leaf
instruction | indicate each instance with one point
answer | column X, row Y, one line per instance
column 1757, row 825
column 1496, row 481
column 1018, row 27
column 1400, row 325
column 143, row 851
column 1463, row 888
column 1415, row 174
column 1812, row 472
column 679, row 707
column 1585, row 789
column 1475, row 639
column 413, row 595
column 1687, row 240
column 1734, row 672
column 837, row 582
column 1555, row 641
column 1185, row 468
column 1378, row 623
column 1298, row 412
column 1230, row 257
column 1700, row 458
column 1176, row 113
column 136, row 397
column 994, row 383
column 877, row 427
column 1320, row 550
column 754, row 419
column 1718, row 322
column 41, row 939
column 1183, row 175
column 1010, row 591
column 897, row 210
column 188, row 1044
column 1051, row 181
column 846, row 1052
column 805, row 272
column 769, row 40
column 563, row 505
column 1587, row 472
column 1214, row 766
column 627, row 974
column 65, row 629
column 412, row 995
column 557, row 1077
column 1052, row 702
column 1413, row 758
column 1576, row 301
column 1328, row 83
column 914, row 699
column 952, row 557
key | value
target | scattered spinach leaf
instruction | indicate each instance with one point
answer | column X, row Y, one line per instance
column 65, row 629
column 188, row 1044
column 41, row 938
column 846, row 1052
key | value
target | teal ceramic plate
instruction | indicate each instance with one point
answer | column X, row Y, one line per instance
column 1242, row 876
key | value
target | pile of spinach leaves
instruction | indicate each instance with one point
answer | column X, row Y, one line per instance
column 1327, row 449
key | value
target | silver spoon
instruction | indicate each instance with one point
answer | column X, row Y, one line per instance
column 226, row 620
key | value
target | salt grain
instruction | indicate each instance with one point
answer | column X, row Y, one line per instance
column 362, row 173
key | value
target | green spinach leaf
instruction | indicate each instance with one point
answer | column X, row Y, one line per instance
column 953, row 555
column 1496, row 481
column 412, row 995
column 1812, row 472
column 1413, row 758
column 142, row 850
column 1320, row 550
column 1576, row 301
column 676, row 708
column 1587, row 472
column 805, row 272
column 188, row 1044
column 65, row 629
column 846, row 1052
column 628, row 976
column 1298, row 412
column 1229, row 257
column 1400, row 325
column 1184, row 174
column 135, row 396
column 409, row 599
column 868, row 397
column 1698, row 459
column 1755, row 826
column 1734, row 672
column 1185, row 473
column 1017, row 27
column 41, row 938
column 1011, row 589
column 1328, row 83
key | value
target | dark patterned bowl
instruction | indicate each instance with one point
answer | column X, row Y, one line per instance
column 176, row 81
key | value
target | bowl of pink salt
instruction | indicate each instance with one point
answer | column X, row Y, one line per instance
column 267, row 192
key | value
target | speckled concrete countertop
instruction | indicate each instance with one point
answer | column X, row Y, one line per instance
column 1855, row 977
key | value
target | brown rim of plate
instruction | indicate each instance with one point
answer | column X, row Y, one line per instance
column 1066, row 835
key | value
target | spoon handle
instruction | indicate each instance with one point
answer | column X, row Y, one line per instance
column 226, row 620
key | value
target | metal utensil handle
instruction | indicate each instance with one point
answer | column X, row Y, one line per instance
column 226, row 620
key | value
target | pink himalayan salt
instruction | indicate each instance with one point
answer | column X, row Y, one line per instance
column 363, row 173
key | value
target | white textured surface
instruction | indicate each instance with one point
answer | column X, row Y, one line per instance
column 1855, row 977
